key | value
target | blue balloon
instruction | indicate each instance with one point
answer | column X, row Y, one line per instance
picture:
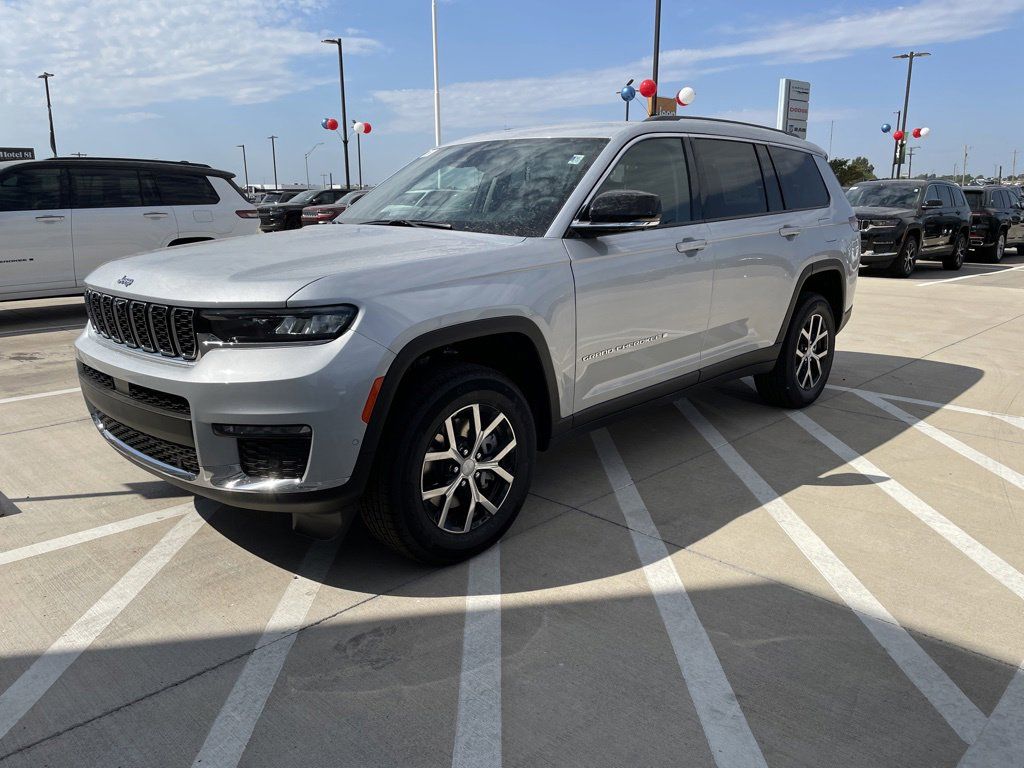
column 886, row 127
column 323, row 123
column 628, row 93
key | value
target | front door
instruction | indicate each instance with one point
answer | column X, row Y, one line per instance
column 35, row 231
column 642, row 298
column 933, row 220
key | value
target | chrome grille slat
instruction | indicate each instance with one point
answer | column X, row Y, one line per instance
column 153, row 328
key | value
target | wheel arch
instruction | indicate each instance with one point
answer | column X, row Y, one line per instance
column 187, row 240
column 827, row 277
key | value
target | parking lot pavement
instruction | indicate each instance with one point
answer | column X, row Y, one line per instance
column 712, row 582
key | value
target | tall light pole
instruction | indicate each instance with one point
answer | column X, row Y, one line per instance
column 344, row 114
column 963, row 177
column 906, row 101
column 273, row 154
column 45, row 77
column 245, row 167
column 657, row 48
column 437, row 82
column 319, row 143
column 895, row 148
column 910, row 161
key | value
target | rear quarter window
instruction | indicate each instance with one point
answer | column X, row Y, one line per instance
column 186, row 189
column 800, row 179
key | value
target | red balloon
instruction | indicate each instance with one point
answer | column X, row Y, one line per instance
column 332, row 124
column 916, row 133
column 367, row 127
column 648, row 88
column 898, row 135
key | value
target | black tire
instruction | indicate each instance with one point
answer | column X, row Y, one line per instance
column 955, row 260
column 903, row 265
column 782, row 385
column 994, row 252
column 393, row 507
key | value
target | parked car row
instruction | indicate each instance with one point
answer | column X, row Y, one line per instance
column 904, row 220
column 312, row 206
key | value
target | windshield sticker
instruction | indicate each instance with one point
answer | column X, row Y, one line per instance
column 576, row 159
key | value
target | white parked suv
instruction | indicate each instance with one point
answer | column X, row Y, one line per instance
column 62, row 218
column 491, row 297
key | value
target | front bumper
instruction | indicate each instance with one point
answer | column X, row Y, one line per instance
column 323, row 386
column 867, row 258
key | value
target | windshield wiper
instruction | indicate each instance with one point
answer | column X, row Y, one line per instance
column 410, row 223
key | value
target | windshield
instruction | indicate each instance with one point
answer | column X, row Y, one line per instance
column 975, row 198
column 271, row 197
column 351, row 197
column 505, row 187
column 305, row 197
column 884, row 195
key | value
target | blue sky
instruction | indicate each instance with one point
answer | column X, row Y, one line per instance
column 190, row 80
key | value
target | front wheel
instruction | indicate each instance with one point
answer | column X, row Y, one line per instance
column 456, row 467
column 800, row 373
column 905, row 262
column 955, row 260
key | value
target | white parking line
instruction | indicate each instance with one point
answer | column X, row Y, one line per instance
column 478, row 727
column 236, row 720
column 36, row 396
column 47, row 669
column 968, row 277
column 947, row 698
column 725, row 726
column 1000, row 470
column 1017, row 421
column 63, row 542
column 988, row 560
column 1001, row 743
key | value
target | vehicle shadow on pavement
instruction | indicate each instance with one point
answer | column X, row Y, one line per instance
column 41, row 316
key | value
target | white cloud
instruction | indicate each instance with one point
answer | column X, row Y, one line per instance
column 524, row 101
column 109, row 54
column 134, row 117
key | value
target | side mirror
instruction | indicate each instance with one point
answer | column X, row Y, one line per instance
column 622, row 210
column 932, row 204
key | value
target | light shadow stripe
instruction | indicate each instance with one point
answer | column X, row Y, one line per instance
column 478, row 726
column 99, row 532
column 231, row 731
column 945, row 696
column 38, row 395
column 47, row 669
column 729, row 736
column 969, row 277
column 1017, row 421
column 1001, row 743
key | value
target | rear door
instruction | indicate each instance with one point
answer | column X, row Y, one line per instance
column 950, row 216
column 642, row 298
column 111, row 219
column 196, row 204
column 35, row 230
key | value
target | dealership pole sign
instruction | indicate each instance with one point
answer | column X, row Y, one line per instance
column 17, row 153
column 794, row 103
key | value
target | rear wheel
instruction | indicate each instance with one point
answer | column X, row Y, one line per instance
column 904, row 264
column 800, row 373
column 955, row 260
column 456, row 468
column 997, row 249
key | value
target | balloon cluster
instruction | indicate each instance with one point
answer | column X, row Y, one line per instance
column 360, row 127
column 329, row 124
column 648, row 88
column 917, row 133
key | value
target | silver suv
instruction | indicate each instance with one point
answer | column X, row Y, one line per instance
column 491, row 297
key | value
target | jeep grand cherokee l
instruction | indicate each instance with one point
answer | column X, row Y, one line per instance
column 903, row 220
column 543, row 281
column 996, row 221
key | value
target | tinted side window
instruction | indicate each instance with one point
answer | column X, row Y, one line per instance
column 150, row 193
column 932, row 193
column 802, row 185
column 730, row 177
column 30, row 189
column 946, row 196
column 1004, row 198
column 657, row 166
column 105, row 188
column 186, row 189
column 958, row 196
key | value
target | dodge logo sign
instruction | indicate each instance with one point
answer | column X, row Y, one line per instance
column 125, row 281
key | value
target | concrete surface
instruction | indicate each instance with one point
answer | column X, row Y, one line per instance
column 727, row 591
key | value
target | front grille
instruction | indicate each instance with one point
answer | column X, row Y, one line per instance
column 181, row 456
column 98, row 378
column 153, row 328
column 274, row 458
column 162, row 400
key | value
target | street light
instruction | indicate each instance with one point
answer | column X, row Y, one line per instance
column 906, row 100
column 344, row 115
column 245, row 167
column 273, row 154
column 319, row 143
column 657, row 45
column 45, row 77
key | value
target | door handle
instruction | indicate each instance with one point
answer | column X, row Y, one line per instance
column 691, row 246
column 50, row 218
column 155, row 215
column 789, row 231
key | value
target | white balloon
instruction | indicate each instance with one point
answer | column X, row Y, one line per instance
column 925, row 131
column 358, row 127
column 685, row 96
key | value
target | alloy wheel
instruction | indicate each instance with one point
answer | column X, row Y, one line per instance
column 467, row 470
column 961, row 252
column 811, row 348
column 909, row 256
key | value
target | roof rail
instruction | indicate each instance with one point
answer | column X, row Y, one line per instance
column 87, row 158
column 655, row 118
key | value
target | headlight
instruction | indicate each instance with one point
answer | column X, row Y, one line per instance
column 879, row 222
column 275, row 326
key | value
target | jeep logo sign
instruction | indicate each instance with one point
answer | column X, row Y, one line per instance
column 125, row 281
column 17, row 153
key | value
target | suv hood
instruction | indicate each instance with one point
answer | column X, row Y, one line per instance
column 878, row 211
column 262, row 270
